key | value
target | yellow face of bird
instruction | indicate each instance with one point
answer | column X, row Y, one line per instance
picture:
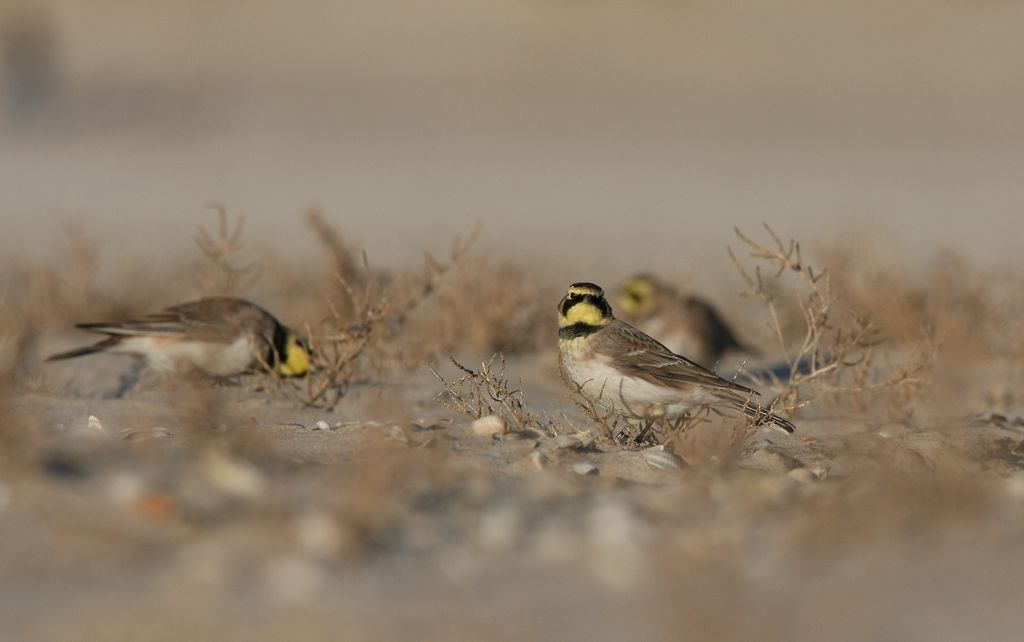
column 584, row 306
column 637, row 296
column 296, row 362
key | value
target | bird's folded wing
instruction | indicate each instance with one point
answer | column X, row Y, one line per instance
column 162, row 324
column 647, row 359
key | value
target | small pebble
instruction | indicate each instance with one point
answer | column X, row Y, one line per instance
column 769, row 460
column 321, row 425
column 233, row 476
column 94, row 424
column 662, row 459
column 93, row 429
column 578, row 441
column 490, row 426
column 585, row 468
column 802, row 475
column 539, row 460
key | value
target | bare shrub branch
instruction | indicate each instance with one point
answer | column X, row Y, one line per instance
column 345, row 259
column 219, row 273
column 487, row 391
column 340, row 344
column 836, row 352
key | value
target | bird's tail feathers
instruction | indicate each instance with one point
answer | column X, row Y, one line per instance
column 758, row 414
column 782, row 424
column 81, row 352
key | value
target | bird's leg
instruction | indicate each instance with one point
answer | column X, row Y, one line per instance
column 649, row 433
column 625, row 436
column 651, row 417
column 645, row 427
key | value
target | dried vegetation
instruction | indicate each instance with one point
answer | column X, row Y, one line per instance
column 831, row 350
column 221, row 481
column 849, row 346
column 487, row 392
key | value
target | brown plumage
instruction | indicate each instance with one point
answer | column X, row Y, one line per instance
column 687, row 324
column 222, row 336
column 620, row 368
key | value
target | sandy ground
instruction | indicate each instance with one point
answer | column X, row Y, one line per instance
column 237, row 518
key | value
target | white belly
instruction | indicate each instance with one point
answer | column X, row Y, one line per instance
column 176, row 355
column 606, row 386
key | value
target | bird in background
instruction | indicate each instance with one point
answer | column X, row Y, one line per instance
column 685, row 324
column 219, row 336
column 621, row 369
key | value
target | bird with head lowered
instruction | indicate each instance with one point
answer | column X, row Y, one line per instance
column 219, row 336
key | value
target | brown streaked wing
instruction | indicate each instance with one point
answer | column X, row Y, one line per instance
column 211, row 318
column 159, row 324
column 221, row 318
column 216, row 311
column 634, row 352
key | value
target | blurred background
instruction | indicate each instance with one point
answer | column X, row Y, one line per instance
column 549, row 121
column 590, row 139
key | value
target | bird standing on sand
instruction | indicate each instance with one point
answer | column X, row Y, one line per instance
column 220, row 336
column 685, row 324
column 621, row 369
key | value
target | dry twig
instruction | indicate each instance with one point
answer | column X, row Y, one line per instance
column 836, row 352
column 486, row 392
column 340, row 345
column 219, row 274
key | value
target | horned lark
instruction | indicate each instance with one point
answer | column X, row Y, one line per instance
column 621, row 369
column 221, row 336
column 685, row 324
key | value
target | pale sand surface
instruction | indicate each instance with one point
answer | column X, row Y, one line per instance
column 416, row 528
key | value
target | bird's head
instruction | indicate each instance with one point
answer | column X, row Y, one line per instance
column 584, row 306
column 638, row 296
column 296, row 356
